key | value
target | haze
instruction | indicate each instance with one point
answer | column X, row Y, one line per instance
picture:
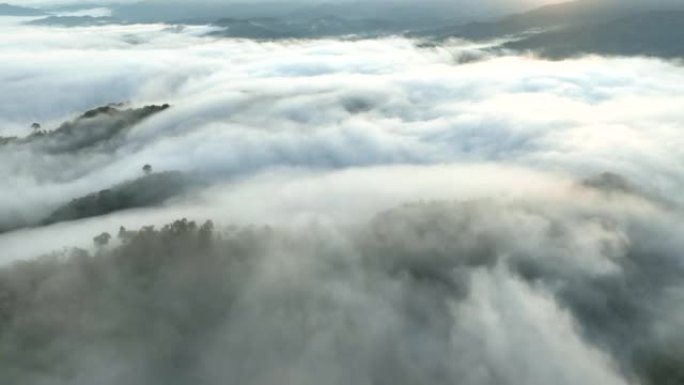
column 338, row 193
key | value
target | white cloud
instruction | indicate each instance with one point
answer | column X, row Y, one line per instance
column 243, row 107
column 326, row 134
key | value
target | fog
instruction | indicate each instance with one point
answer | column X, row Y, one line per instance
column 383, row 211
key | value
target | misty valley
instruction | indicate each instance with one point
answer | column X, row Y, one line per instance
column 303, row 192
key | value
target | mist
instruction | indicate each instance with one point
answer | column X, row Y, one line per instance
column 180, row 206
column 409, row 14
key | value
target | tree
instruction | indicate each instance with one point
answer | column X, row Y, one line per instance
column 147, row 169
column 36, row 127
column 102, row 239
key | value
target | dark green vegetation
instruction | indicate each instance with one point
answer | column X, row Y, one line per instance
column 191, row 304
column 99, row 129
column 149, row 190
column 150, row 302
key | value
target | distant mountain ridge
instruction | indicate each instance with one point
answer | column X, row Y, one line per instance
column 568, row 14
column 603, row 27
column 549, row 16
column 409, row 14
column 15, row 10
column 327, row 26
column 74, row 21
column 658, row 34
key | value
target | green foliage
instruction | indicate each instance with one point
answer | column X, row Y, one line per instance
column 102, row 239
column 149, row 190
column 98, row 128
column 155, row 296
column 153, row 299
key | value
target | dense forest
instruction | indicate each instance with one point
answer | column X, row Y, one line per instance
column 159, row 305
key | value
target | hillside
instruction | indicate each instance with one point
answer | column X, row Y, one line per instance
column 14, row 10
column 657, row 34
column 603, row 27
column 561, row 15
column 99, row 127
column 149, row 190
column 74, row 21
column 327, row 26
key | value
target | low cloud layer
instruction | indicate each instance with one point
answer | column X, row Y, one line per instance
column 402, row 213
column 481, row 292
column 241, row 107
